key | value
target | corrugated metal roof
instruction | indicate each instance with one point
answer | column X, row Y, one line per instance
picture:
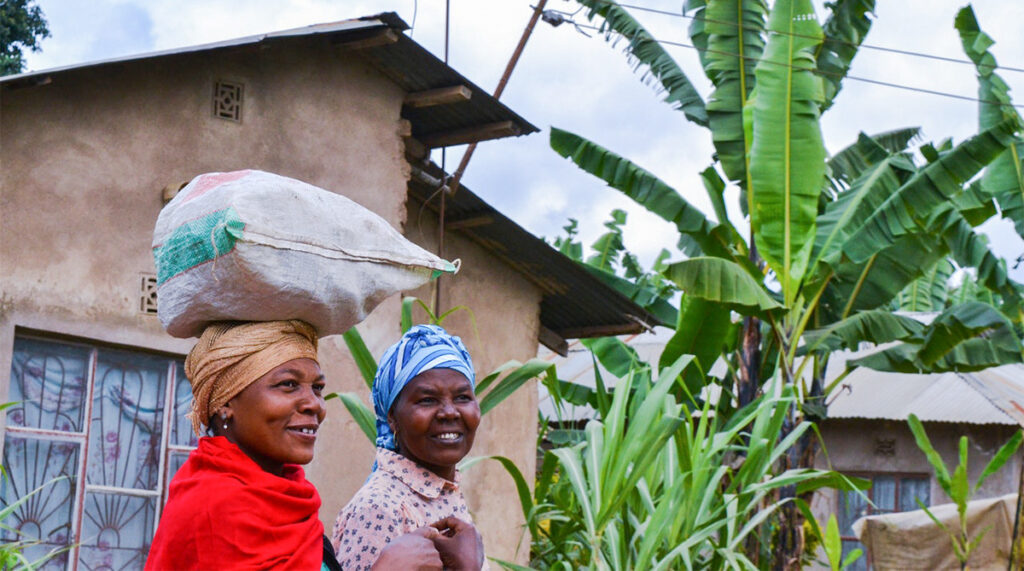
column 382, row 43
column 940, row 397
column 574, row 303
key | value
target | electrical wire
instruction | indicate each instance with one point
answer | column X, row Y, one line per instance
column 796, row 35
column 814, row 70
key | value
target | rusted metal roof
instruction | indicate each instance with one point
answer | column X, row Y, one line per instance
column 436, row 122
column 574, row 303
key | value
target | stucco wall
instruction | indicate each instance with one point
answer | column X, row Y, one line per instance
column 506, row 311
column 82, row 164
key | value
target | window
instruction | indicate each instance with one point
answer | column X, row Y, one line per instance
column 889, row 493
column 96, row 416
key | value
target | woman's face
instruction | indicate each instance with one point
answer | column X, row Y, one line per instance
column 275, row 419
column 434, row 420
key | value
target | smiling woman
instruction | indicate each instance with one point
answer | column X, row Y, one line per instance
column 427, row 416
column 241, row 500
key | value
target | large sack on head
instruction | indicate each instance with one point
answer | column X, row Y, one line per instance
column 255, row 246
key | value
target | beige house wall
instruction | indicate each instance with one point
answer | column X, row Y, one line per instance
column 83, row 161
column 852, row 448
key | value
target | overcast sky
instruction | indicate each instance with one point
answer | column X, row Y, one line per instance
column 585, row 85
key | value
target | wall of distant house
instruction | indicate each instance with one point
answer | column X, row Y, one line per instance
column 874, row 447
column 83, row 161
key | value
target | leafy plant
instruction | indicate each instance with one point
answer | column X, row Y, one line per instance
column 834, row 243
column 957, row 486
column 655, row 484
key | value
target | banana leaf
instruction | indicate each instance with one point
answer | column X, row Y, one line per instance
column 1004, row 177
column 970, row 249
column 850, row 163
column 734, row 44
column 644, row 188
column 646, row 297
column 787, row 152
column 847, row 26
column 929, row 292
column 646, row 51
column 722, row 281
column 968, row 337
column 705, row 330
column 875, row 326
column 932, row 186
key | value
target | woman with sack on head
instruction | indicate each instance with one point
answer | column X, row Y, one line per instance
column 427, row 415
column 241, row 500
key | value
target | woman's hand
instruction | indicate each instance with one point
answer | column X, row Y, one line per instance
column 414, row 550
column 459, row 544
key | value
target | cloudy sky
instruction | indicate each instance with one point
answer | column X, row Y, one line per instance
column 584, row 84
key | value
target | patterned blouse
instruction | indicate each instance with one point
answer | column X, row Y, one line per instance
column 398, row 498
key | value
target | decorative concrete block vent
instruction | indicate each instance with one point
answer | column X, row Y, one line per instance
column 227, row 100
column 147, row 294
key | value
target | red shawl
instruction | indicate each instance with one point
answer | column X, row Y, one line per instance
column 224, row 512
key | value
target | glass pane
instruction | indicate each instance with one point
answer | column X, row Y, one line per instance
column 116, row 531
column 883, row 494
column 852, row 506
column 127, row 418
column 911, row 488
column 862, row 562
column 181, row 427
column 46, row 515
column 175, row 460
column 48, row 379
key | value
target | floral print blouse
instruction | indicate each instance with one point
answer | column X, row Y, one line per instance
column 399, row 497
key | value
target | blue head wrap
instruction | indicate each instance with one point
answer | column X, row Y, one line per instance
column 422, row 348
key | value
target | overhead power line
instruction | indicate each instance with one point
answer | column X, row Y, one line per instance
column 814, row 70
column 796, row 35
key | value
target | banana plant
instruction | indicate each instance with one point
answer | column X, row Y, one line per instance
column 490, row 390
column 834, row 242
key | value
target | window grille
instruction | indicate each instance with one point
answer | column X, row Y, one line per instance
column 97, row 417
column 889, row 493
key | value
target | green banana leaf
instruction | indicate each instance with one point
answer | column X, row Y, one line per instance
column 734, row 44
column 722, row 281
column 875, row 326
column 929, row 292
column 1004, row 177
column 850, row 163
column 975, row 204
column 854, row 207
column 932, row 186
column 705, row 330
column 644, row 188
column 646, row 297
column 968, row 337
column 647, row 52
column 847, row 26
column 970, row 249
column 787, row 152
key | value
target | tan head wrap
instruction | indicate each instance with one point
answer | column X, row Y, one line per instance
column 231, row 356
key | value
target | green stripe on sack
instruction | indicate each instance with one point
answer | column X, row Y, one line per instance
column 197, row 242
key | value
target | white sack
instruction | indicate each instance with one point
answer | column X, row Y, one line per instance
column 255, row 246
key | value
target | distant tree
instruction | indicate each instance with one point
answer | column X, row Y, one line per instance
column 22, row 26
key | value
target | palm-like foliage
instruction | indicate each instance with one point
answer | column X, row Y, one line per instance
column 835, row 243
